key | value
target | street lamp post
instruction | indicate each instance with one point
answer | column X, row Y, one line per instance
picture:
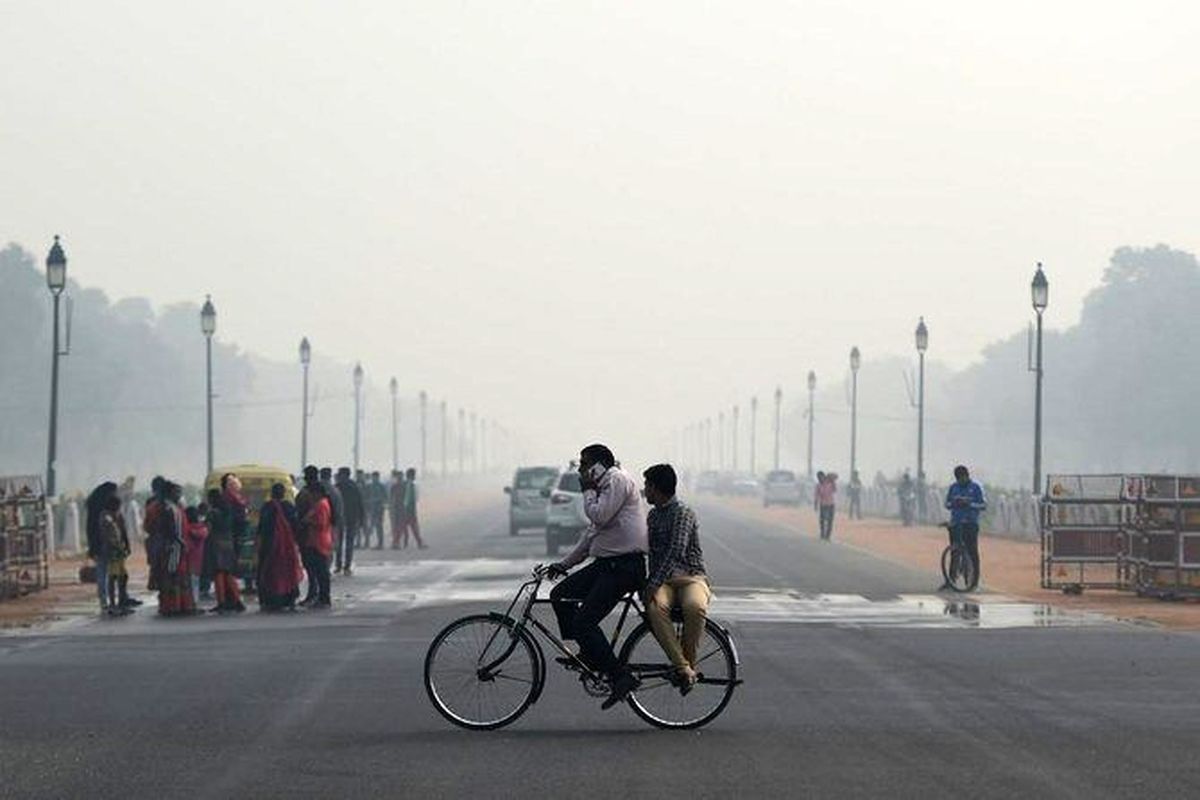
column 812, row 388
column 305, row 360
column 445, row 469
column 462, row 440
column 474, row 442
column 778, row 419
column 753, row 431
column 358, row 380
column 208, row 326
column 1040, row 291
column 56, row 281
column 922, row 337
column 734, row 423
column 721, row 440
column 855, row 362
column 394, row 386
column 424, row 400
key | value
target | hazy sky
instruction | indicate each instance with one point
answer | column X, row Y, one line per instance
column 595, row 219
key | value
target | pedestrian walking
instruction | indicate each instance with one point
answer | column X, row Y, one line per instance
column 854, row 495
column 375, row 497
column 396, row 506
column 826, row 502
column 279, row 566
column 412, row 523
column 352, row 522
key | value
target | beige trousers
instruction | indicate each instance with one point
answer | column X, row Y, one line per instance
column 691, row 594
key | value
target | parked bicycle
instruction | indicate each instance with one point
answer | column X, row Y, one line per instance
column 483, row 671
column 958, row 568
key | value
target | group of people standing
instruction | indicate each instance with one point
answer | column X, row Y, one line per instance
column 216, row 545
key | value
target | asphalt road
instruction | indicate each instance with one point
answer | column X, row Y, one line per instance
column 859, row 682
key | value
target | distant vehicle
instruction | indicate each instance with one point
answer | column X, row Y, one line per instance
column 257, row 481
column 781, row 488
column 707, row 481
column 528, row 497
column 744, row 485
column 565, row 519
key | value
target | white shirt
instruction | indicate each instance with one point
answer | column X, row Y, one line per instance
column 618, row 520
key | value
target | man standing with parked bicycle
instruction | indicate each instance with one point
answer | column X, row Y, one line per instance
column 616, row 540
column 965, row 501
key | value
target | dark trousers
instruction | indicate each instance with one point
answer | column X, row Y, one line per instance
column 855, row 511
column 375, row 525
column 345, row 546
column 584, row 598
column 967, row 534
column 827, row 522
column 317, row 568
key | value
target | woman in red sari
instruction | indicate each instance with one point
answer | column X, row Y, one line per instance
column 170, row 564
column 279, row 569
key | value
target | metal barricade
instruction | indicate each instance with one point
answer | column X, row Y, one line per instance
column 24, row 525
column 1085, row 530
column 1166, row 550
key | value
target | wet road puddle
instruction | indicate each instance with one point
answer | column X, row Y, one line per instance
column 437, row 583
column 385, row 589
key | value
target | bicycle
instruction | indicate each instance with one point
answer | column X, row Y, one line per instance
column 483, row 671
column 958, row 568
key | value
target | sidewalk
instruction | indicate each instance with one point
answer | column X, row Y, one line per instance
column 66, row 596
column 1010, row 567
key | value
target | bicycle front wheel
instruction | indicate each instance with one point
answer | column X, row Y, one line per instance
column 482, row 673
column 958, row 569
column 658, row 700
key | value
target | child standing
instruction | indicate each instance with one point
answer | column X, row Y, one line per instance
column 195, row 533
column 116, row 550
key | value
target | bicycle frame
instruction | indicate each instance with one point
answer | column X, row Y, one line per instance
column 528, row 620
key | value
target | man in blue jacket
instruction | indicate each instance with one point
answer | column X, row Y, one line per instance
column 965, row 502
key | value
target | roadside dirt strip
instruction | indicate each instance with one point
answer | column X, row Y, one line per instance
column 1010, row 567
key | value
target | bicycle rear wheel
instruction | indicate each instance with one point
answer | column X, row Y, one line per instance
column 482, row 673
column 658, row 700
column 958, row 569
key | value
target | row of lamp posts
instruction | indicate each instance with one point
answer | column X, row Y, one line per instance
column 701, row 433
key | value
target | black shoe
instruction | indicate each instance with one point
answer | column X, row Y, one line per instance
column 130, row 602
column 625, row 683
column 323, row 605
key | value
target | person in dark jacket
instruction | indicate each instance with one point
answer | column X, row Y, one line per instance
column 95, row 510
column 355, row 514
column 375, row 497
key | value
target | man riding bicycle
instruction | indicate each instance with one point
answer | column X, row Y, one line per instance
column 966, row 502
column 616, row 540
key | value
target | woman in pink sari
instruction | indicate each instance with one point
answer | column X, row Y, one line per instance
column 279, row 569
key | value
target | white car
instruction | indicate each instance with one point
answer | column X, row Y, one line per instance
column 527, row 497
column 780, row 487
column 565, row 520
